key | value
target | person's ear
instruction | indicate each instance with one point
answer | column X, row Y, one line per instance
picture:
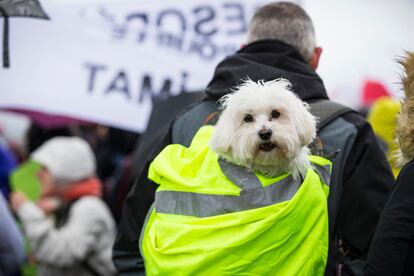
column 316, row 55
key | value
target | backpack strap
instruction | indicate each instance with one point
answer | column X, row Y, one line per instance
column 327, row 111
column 187, row 124
column 211, row 118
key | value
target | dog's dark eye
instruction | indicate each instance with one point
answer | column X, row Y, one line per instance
column 275, row 114
column 248, row 118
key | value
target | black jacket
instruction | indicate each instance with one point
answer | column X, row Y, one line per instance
column 366, row 177
column 392, row 249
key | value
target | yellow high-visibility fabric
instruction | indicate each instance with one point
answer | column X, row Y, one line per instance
column 287, row 238
column 383, row 117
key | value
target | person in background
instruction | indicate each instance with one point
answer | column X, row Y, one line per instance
column 392, row 249
column 79, row 240
column 8, row 162
column 11, row 241
column 281, row 43
column 383, row 116
column 113, row 154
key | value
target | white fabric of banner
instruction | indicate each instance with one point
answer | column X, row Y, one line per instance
column 103, row 61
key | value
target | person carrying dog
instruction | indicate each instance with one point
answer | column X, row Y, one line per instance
column 246, row 197
column 281, row 43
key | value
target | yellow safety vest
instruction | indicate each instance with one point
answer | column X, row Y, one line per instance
column 211, row 217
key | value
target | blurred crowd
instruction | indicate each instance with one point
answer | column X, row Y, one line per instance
column 69, row 148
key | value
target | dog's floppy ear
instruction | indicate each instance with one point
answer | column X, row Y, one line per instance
column 306, row 124
column 223, row 134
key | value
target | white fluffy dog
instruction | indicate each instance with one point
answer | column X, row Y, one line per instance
column 265, row 127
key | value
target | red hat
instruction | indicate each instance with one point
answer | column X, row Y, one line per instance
column 373, row 90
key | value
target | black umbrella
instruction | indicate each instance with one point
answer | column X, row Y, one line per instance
column 23, row 8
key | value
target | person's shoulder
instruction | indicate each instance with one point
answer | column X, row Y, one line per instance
column 407, row 172
column 90, row 205
column 89, row 200
column 331, row 112
column 349, row 114
column 354, row 118
column 92, row 215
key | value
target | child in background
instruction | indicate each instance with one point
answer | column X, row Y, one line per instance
column 79, row 240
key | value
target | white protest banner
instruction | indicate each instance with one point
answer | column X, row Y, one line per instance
column 103, row 61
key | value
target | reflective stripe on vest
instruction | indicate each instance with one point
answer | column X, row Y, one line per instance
column 252, row 195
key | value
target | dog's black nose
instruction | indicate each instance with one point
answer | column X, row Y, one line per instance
column 265, row 134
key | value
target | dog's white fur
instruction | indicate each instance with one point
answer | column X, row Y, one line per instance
column 293, row 130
